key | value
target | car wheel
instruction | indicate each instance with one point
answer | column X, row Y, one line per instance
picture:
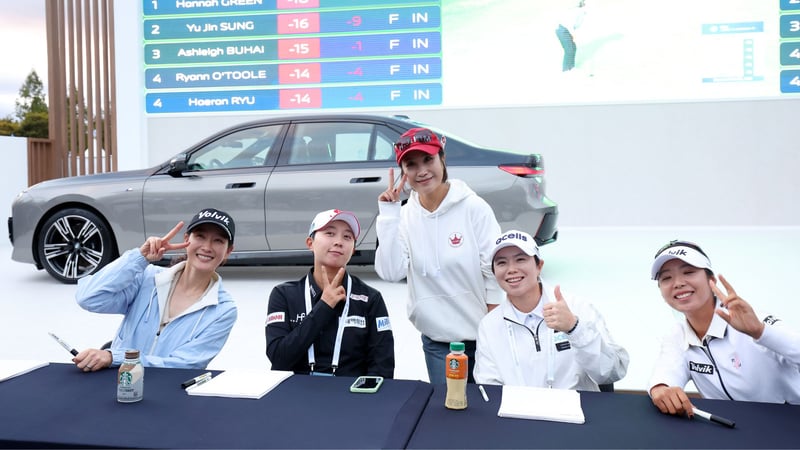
column 74, row 243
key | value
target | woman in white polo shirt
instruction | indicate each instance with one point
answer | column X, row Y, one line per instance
column 722, row 346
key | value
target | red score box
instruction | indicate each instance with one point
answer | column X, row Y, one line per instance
column 300, row 98
column 296, row 4
column 299, row 73
column 298, row 23
column 298, row 48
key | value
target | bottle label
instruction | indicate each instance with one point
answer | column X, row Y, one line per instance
column 130, row 385
column 456, row 368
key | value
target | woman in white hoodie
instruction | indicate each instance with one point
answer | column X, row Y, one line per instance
column 441, row 242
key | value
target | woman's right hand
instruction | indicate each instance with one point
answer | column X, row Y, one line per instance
column 154, row 248
column 392, row 194
column 671, row 400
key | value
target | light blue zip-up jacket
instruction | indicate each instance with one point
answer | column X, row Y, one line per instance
column 130, row 285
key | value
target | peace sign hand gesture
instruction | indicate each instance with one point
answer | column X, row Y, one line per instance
column 392, row 194
column 739, row 314
column 154, row 248
column 332, row 291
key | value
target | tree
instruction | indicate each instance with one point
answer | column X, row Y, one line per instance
column 31, row 97
column 8, row 127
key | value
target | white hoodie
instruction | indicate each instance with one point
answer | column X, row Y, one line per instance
column 446, row 257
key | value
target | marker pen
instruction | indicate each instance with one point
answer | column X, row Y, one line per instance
column 713, row 418
column 483, row 393
column 200, row 379
column 66, row 346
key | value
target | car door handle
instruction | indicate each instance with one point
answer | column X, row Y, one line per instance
column 365, row 180
column 240, row 185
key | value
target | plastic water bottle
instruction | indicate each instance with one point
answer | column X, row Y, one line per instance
column 456, row 373
column 130, row 378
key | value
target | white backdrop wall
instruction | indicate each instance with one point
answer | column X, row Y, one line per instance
column 677, row 164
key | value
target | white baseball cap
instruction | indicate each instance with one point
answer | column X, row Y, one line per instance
column 688, row 252
column 515, row 238
column 322, row 219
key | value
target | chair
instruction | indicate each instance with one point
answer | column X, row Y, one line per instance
column 318, row 152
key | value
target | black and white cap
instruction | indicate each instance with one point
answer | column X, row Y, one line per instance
column 216, row 217
column 687, row 252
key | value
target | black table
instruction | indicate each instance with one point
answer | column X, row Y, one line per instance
column 612, row 421
column 59, row 406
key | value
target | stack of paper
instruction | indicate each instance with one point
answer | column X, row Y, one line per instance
column 10, row 368
column 558, row 405
column 240, row 383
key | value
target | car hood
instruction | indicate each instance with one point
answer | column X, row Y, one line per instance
column 126, row 175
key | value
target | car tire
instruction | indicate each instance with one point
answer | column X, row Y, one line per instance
column 74, row 243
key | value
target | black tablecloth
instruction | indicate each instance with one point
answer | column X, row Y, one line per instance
column 58, row 405
column 612, row 421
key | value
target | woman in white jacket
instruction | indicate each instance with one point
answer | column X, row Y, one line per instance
column 440, row 241
column 538, row 337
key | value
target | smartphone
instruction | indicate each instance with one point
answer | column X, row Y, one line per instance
column 366, row 384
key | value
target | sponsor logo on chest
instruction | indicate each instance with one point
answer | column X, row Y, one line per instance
column 355, row 322
column 455, row 239
column 707, row 369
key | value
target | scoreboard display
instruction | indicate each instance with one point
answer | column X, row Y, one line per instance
column 240, row 55
column 270, row 55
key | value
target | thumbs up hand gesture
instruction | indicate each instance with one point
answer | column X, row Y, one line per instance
column 557, row 315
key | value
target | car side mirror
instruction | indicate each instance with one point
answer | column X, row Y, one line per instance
column 178, row 165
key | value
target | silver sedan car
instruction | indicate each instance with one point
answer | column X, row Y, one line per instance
column 272, row 176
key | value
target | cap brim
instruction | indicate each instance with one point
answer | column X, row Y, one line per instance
column 692, row 257
column 347, row 218
column 510, row 244
column 212, row 222
column 420, row 147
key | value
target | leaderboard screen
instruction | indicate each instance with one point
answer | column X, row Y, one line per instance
column 210, row 56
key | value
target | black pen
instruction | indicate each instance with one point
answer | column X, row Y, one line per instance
column 68, row 347
column 713, row 418
column 200, row 379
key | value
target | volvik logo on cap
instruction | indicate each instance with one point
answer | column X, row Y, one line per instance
column 214, row 217
column 214, row 214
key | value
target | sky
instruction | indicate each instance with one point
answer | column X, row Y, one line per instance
column 24, row 38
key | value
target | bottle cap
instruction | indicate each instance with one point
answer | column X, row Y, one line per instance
column 457, row 346
column 131, row 354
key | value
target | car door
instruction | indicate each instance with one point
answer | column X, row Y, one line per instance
column 229, row 173
column 327, row 165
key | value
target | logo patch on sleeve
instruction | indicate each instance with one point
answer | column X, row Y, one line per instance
column 707, row 369
column 276, row 317
column 383, row 324
column 771, row 320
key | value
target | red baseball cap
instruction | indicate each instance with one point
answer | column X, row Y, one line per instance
column 421, row 139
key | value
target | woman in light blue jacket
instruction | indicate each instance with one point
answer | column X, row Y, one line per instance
column 176, row 317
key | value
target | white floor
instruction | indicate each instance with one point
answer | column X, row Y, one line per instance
column 608, row 266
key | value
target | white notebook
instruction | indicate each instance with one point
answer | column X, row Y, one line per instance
column 557, row 405
column 10, row 368
column 240, row 383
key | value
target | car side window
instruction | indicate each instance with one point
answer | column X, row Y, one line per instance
column 320, row 143
column 242, row 148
